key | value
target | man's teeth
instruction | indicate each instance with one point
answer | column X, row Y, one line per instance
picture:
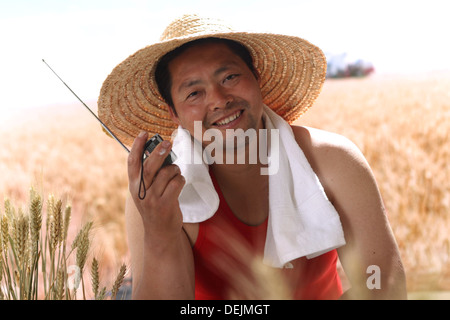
column 229, row 119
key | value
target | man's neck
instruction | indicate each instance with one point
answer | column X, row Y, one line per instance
column 242, row 183
column 245, row 189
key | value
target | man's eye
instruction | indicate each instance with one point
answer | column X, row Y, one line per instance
column 192, row 94
column 231, row 77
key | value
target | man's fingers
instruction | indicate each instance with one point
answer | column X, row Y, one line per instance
column 163, row 178
column 135, row 156
column 151, row 165
column 174, row 186
column 155, row 160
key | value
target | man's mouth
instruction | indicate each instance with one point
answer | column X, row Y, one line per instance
column 229, row 119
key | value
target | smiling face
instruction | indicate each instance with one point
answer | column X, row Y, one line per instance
column 213, row 85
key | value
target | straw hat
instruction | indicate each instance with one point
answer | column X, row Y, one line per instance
column 292, row 72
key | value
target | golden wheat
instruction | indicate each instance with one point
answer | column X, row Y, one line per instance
column 95, row 277
column 35, row 221
column 28, row 261
column 118, row 282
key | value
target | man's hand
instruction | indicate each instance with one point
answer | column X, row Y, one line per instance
column 161, row 255
column 160, row 211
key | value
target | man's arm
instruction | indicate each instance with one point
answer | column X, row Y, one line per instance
column 162, row 270
column 161, row 255
column 370, row 258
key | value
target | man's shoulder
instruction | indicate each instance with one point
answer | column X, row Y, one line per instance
column 334, row 158
column 317, row 142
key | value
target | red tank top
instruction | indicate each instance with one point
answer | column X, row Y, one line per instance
column 228, row 264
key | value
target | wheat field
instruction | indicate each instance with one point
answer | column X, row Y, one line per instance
column 401, row 124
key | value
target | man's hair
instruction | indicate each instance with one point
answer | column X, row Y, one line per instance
column 162, row 73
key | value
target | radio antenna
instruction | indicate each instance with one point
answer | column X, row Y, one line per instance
column 103, row 125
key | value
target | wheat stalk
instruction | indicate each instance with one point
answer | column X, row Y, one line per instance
column 35, row 234
column 82, row 244
column 66, row 222
column 56, row 224
column 118, row 282
column 23, row 248
column 60, row 281
column 95, row 277
column 35, row 221
column 4, row 233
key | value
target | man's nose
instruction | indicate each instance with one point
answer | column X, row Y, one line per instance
column 219, row 97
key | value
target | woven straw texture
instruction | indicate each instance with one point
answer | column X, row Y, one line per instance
column 292, row 73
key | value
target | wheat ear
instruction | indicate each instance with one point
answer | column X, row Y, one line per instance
column 118, row 282
column 95, row 277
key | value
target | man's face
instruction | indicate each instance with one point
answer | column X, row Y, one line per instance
column 213, row 85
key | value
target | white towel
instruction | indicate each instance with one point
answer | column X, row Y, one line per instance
column 302, row 221
column 198, row 199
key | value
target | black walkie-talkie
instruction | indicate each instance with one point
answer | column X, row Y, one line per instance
column 150, row 145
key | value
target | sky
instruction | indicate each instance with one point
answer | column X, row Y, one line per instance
column 84, row 40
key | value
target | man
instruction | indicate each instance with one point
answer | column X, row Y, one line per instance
column 215, row 83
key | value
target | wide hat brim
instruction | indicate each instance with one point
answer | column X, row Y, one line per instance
column 292, row 72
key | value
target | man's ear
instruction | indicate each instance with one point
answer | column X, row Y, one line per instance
column 173, row 115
